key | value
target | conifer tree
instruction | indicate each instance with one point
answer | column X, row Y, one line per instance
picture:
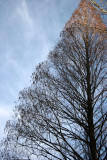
column 63, row 114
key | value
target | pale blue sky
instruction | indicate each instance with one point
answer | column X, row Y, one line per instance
column 29, row 29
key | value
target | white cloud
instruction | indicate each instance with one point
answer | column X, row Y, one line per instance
column 5, row 115
column 22, row 12
column 5, row 111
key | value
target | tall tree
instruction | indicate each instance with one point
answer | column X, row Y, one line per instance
column 63, row 114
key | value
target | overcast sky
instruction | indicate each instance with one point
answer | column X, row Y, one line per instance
column 29, row 29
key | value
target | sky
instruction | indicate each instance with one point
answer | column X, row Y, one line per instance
column 29, row 30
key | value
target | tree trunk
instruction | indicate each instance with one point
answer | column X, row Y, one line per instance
column 90, row 108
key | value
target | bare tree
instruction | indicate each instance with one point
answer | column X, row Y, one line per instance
column 63, row 114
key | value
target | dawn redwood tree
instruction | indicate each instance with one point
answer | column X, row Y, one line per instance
column 63, row 114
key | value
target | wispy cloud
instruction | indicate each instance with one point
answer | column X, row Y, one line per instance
column 4, row 112
column 23, row 13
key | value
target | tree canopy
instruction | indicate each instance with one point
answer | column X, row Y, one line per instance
column 63, row 114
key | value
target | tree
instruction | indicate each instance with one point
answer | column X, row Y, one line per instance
column 63, row 114
column 101, row 5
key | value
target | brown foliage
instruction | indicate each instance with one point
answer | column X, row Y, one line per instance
column 86, row 16
column 100, row 5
